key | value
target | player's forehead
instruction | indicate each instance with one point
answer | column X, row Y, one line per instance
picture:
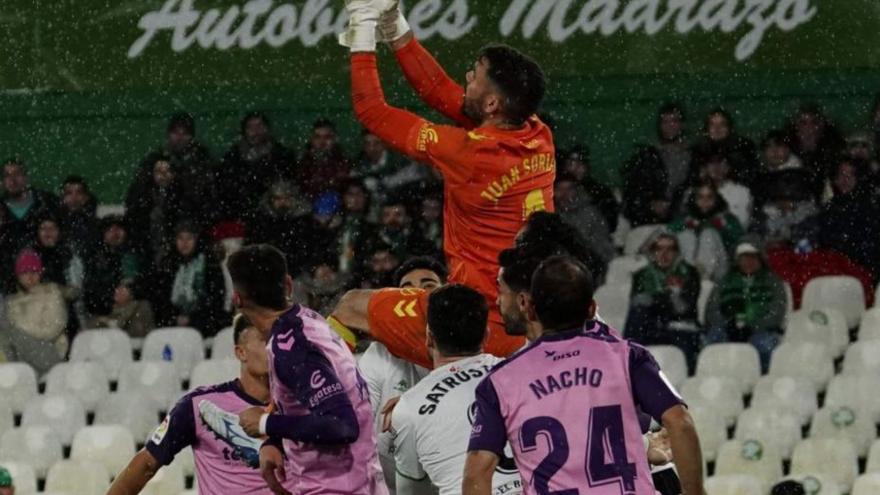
column 418, row 277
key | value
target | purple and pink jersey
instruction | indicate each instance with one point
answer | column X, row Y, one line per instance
column 218, row 468
column 322, row 409
column 569, row 404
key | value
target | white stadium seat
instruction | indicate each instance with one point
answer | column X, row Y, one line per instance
column 78, row 477
column 7, row 418
column 181, row 345
column 786, row 394
column 779, row 429
column 168, row 481
column 22, row 474
column 867, row 484
column 816, row 484
column 112, row 446
column 862, row 357
column 110, row 347
column 846, row 423
column 750, row 457
column 18, row 385
column 711, row 429
column 672, row 362
column 621, row 268
column 613, row 304
column 733, row 360
column 858, row 392
column 808, row 360
column 223, row 346
column 834, row 458
column 214, row 371
column 156, row 380
column 734, row 484
column 825, row 326
column 129, row 409
column 706, row 288
column 637, row 237
column 873, row 464
column 87, row 381
column 721, row 393
column 841, row 292
column 38, row 446
column 869, row 328
column 63, row 413
column 186, row 461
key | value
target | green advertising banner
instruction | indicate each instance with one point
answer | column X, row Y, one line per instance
column 85, row 84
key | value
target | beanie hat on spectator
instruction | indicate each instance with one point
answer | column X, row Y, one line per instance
column 5, row 478
column 327, row 204
column 28, row 262
column 227, row 230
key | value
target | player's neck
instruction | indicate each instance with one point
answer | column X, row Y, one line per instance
column 500, row 123
column 264, row 319
column 256, row 387
column 533, row 331
column 444, row 360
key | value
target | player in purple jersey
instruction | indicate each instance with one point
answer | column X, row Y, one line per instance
column 568, row 402
column 321, row 419
column 221, row 467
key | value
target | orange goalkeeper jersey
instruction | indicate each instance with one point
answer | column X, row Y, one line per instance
column 493, row 178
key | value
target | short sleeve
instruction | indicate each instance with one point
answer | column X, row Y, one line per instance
column 398, row 319
column 176, row 432
column 489, row 431
column 406, row 453
column 651, row 389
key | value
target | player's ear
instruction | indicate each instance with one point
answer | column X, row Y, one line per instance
column 529, row 311
column 288, row 287
column 592, row 313
column 522, row 301
column 491, row 104
column 429, row 339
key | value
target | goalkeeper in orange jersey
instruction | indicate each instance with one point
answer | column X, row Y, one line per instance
column 497, row 161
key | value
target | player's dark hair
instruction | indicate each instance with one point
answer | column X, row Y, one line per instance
column 258, row 273
column 518, row 77
column 420, row 263
column 519, row 263
column 545, row 228
column 457, row 318
column 562, row 292
column 239, row 324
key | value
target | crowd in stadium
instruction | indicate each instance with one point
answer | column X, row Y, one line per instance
column 802, row 203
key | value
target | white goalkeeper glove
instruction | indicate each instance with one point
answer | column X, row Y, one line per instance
column 371, row 21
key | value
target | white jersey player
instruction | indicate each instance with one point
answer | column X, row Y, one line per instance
column 431, row 423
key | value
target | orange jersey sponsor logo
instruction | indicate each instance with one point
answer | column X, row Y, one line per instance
column 426, row 135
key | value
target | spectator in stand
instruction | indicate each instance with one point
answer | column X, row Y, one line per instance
column 153, row 208
column 22, row 204
column 860, row 148
column 783, row 174
column 320, row 288
column 37, row 316
column 397, row 231
column 317, row 235
column 54, row 252
column 255, row 162
column 748, row 305
column 430, row 223
column 579, row 211
column 850, row 222
column 707, row 232
column 356, row 227
column 198, row 290
column 675, row 151
column 719, row 136
column 576, row 162
column 663, row 304
column 323, row 167
column 378, row 167
column 817, row 141
column 134, row 316
column 646, row 191
column 275, row 220
column 380, row 268
column 191, row 164
column 78, row 215
column 111, row 262
column 738, row 197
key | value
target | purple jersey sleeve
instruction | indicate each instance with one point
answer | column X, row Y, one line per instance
column 652, row 393
column 176, row 432
column 488, row 432
column 331, row 419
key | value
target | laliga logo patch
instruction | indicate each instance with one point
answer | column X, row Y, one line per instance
column 161, row 430
column 317, row 381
